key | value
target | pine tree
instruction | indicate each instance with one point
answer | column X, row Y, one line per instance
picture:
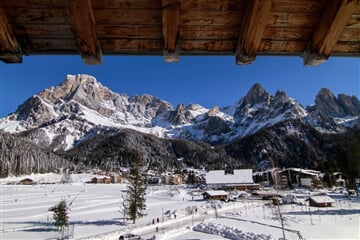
column 348, row 157
column 60, row 215
column 136, row 188
column 123, row 208
column 191, row 178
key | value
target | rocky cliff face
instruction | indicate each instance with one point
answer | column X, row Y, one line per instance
column 331, row 107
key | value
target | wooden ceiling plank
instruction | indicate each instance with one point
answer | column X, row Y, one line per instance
column 206, row 46
column 252, row 30
column 170, row 29
column 334, row 19
column 127, row 16
column 10, row 50
column 209, row 32
column 205, row 18
column 83, row 22
column 223, row 5
column 129, row 31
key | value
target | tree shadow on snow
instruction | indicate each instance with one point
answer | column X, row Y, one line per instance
column 116, row 221
column 42, row 226
column 33, row 226
column 325, row 212
column 36, row 229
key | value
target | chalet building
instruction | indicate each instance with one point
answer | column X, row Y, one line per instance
column 321, row 201
column 116, row 178
column 240, row 179
column 172, row 179
column 27, row 181
column 216, row 195
column 340, row 179
column 101, row 179
column 301, row 177
column 153, row 179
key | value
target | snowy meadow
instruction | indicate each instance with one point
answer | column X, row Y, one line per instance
column 173, row 212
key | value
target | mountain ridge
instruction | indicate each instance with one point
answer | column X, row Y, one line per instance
column 80, row 106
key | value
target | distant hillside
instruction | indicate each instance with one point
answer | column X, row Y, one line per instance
column 19, row 156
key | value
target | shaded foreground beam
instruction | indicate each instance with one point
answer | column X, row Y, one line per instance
column 170, row 29
column 83, row 23
column 252, row 29
column 10, row 50
column 334, row 18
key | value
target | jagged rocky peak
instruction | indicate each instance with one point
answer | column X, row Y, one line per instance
column 327, row 104
column 73, row 85
column 86, row 90
column 180, row 115
column 213, row 111
column 147, row 106
column 281, row 94
column 35, row 110
column 351, row 104
column 256, row 94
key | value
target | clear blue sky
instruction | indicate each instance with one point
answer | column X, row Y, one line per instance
column 209, row 80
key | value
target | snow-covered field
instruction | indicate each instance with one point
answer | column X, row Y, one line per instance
column 95, row 214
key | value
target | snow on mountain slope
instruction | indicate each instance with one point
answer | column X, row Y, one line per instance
column 80, row 107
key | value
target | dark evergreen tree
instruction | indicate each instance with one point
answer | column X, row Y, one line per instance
column 191, row 178
column 348, row 157
column 329, row 179
column 136, row 188
column 60, row 215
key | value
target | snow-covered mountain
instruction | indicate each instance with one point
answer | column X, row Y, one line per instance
column 81, row 107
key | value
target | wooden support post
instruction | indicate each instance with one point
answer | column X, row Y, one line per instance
column 333, row 20
column 170, row 29
column 83, row 22
column 256, row 13
column 10, row 50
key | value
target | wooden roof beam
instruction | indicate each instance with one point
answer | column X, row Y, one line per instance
column 170, row 29
column 334, row 18
column 83, row 23
column 10, row 50
column 254, row 21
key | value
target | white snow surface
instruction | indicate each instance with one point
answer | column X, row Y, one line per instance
column 94, row 211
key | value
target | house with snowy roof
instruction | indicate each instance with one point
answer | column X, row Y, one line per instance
column 216, row 195
column 27, row 181
column 320, row 201
column 301, row 177
column 239, row 179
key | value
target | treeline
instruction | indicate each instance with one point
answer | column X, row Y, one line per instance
column 107, row 152
column 19, row 156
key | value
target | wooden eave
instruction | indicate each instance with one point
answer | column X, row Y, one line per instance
column 170, row 29
column 10, row 50
column 254, row 21
column 333, row 21
column 82, row 20
column 313, row 29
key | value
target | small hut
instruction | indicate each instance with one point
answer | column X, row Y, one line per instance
column 320, row 201
column 101, row 179
column 27, row 181
column 216, row 195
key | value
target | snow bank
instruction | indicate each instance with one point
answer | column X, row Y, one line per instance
column 230, row 232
